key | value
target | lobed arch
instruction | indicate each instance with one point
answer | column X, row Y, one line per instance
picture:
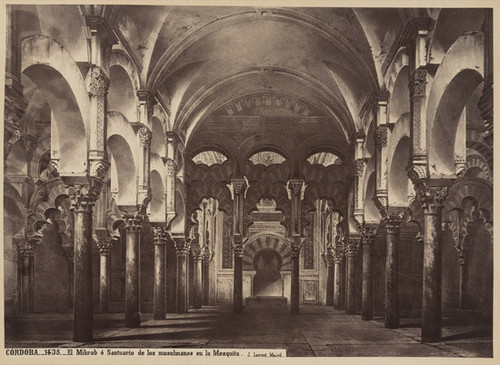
column 42, row 147
column 460, row 72
column 52, row 69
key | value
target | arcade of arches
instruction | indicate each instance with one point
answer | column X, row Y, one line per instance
column 164, row 158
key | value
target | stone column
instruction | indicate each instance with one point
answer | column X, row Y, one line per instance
column 238, row 190
column 238, row 275
column 69, row 251
column 198, row 283
column 104, row 245
column 206, row 278
column 432, row 198
column 133, row 225
column 338, row 256
column 391, row 306
column 26, row 252
column 160, row 243
column 182, row 248
column 295, row 279
column 330, row 277
column 367, row 289
column 351, row 253
column 83, row 308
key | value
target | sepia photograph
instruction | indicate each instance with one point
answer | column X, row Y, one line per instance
column 247, row 181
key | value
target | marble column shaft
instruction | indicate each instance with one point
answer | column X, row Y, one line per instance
column 238, row 279
column 367, row 285
column 198, row 282
column 432, row 199
column 337, row 291
column 132, row 290
column 160, row 243
column 351, row 252
column 182, row 248
column 391, row 302
column 83, row 308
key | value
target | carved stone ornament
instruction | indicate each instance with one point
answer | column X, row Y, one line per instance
column 381, row 136
column 104, row 248
column 381, row 204
column 97, row 82
column 133, row 221
column 145, row 136
column 182, row 247
column 432, row 198
column 416, row 173
column 351, row 248
column 239, row 186
column 417, row 83
column 358, row 167
column 393, row 223
column 338, row 254
column 160, row 235
column 238, row 250
column 83, row 197
column 296, row 187
column 368, row 235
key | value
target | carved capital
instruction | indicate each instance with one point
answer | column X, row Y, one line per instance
column 432, row 198
column 351, row 248
column 381, row 136
column 171, row 167
column 83, row 197
column 97, row 82
column 358, row 167
column 99, row 168
column 417, row 83
column 25, row 248
column 393, row 222
column 239, row 186
column 296, row 245
column 182, row 247
column 145, row 136
column 104, row 248
column 338, row 254
column 238, row 250
column 133, row 221
column 295, row 186
column 368, row 234
column 160, row 235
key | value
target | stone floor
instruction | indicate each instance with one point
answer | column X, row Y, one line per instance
column 317, row 331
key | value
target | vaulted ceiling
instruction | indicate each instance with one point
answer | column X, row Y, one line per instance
column 301, row 71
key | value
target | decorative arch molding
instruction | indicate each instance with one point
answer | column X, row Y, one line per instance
column 479, row 189
column 477, row 161
column 266, row 240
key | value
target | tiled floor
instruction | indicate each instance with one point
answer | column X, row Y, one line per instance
column 317, row 331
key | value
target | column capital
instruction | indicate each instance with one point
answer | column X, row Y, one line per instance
column 296, row 244
column 160, row 234
column 104, row 247
column 381, row 136
column 182, row 246
column 83, row 197
column 25, row 248
column 147, row 96
column 393, row 222
column 432, row 198
column 338, row 254
column 381, row 202
column 358, row 166
column 368, row 234
column 97, row 82
column 417, row 83
column 145, row 136
column 295, row 186
column 352, row 246
column 238, row 186
column 237, row 248
column 133, row 221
